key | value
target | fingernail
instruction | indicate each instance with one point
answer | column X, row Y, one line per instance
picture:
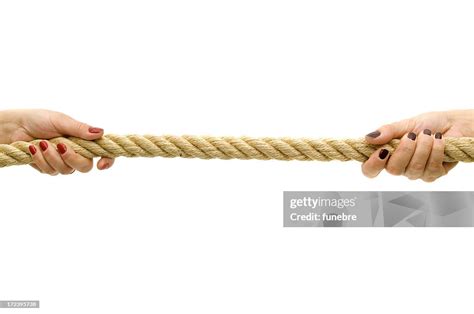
column 105, row 166
column 411, row 136
column 374, row 134
column 32, row 149
column 43, row 145
column 383, row 154
column 427, row 132
column 62, row 148
column 438, row 135
column 95, row 130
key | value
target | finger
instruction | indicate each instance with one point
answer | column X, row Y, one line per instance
column 73, row 159
column 400, row 158
column 40, row 162
column 434, row 167
column 448, row 166
column 53, row 158
column 418, row 162
column 105, row 163
column 68, row 126
column 375, row 164
column 388, row 132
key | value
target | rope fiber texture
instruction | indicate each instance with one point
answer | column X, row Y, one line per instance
column 209, row 147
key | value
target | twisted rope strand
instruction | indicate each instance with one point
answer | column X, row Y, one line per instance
column 208, row 147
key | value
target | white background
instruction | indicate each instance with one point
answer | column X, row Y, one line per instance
column 194, row 236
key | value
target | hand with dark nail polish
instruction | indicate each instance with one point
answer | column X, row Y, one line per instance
column 383, row 154
column 373, row 134
column 419, row 154
column 27, row 125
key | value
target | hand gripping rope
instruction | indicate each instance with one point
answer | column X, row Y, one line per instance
column 209, row 147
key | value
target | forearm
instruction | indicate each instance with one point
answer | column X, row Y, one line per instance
column 9, row 123
column 465, row 118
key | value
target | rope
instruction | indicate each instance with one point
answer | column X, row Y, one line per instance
column 208, row 147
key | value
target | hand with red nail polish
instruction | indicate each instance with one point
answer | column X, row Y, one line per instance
column 421, row 150
column 26, row 125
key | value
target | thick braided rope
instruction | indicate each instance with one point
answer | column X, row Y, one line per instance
column 208, row 147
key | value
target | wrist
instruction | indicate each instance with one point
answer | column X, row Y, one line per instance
column 465, row 118
column 9, row 123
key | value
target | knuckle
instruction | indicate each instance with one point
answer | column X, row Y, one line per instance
column 84, row 169
column 429, row 178
column 434, row 165
column 47, row 170
column 442, row 171
column 412, row 176
column 87, row 168
column 435, row 172
column 83, row 165
column 417, row 166
column 65, row 171
column 405, row 150
column 81, row 127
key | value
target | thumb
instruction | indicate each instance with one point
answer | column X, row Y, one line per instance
column 65, row 125
column 388, row 132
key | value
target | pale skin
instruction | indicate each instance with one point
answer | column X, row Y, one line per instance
column 419, row 155
column 421, row 150
column 29, row 124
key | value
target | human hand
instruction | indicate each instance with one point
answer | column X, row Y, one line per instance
column 27, row 125
column 421, row 150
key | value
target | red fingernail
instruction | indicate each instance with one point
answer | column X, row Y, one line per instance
column 95, row 130
column 43, row 145
column 62, row 148
column 32, row 149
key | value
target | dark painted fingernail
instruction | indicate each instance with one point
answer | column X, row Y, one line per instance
column 427, row 132
column 383, row 154
column 374, row 134
column 438, row 135
column 62, row 149
column 43, row 145
column 411, row 136
column 95, row 130
column 32, row 149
